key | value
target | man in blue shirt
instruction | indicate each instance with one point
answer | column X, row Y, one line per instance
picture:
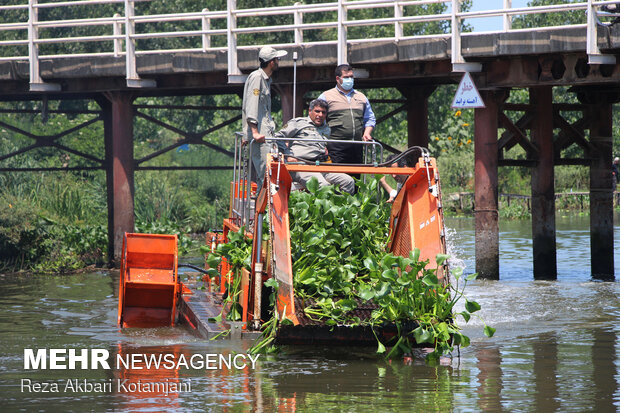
column 349, row 117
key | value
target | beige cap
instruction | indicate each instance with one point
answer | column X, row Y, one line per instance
column 267, row 53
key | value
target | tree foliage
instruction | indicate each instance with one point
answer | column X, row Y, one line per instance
column 563, row 18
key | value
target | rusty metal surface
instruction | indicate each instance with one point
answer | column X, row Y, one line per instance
column 198, row 310
column 121, row 167
column 335, row 168
column 313, row 331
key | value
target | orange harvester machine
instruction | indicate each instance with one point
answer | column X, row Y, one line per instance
column 149, row 281
column 149, row 284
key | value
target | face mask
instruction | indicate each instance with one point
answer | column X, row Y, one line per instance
column 347, row 83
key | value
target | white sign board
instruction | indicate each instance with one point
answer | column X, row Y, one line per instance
column 467, row 96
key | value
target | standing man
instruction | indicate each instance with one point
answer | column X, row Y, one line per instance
column 349, row 116
column 312, row 127
column 256, row 111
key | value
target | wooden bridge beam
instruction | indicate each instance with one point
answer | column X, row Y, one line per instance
column 486, row 198
column 286, row 97
column 118, row 131
column 601, row 191
column 417, row 114
column 543, row 189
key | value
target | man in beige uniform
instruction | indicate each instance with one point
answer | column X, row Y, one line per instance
column 312, row 127
column 256, row 110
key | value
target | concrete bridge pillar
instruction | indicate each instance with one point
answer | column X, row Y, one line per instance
column 486, row 194
column 601, row 189
column 118, row 130
column 543, row 188
column 417, row 114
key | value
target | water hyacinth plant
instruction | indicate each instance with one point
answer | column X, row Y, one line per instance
column 339, row 258
column 237, row 252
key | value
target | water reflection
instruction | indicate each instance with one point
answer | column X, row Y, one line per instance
column 546, row 372
column 545, row 354
column 605, row 371
column 142, row 386
column 489, row 391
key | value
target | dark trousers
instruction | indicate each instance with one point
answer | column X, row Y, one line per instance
column 345, row 152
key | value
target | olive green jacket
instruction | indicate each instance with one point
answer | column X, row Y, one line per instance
column 300, row 129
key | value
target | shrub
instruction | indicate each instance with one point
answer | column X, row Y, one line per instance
column 456, row 171
column 22, row 230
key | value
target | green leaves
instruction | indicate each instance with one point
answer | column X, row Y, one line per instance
column 333, row 241
column 366, row 293
column 312, row 186
column 346, row 304
column 272, row 282
column 380, row 347
column 465, row 315
column 441, row 259
column 472, row 306
column 422, row 336
column 471, row 277
column 384, row 288
column 431, row 280
column 370, row 264
column 459, row 339
column 213, row 260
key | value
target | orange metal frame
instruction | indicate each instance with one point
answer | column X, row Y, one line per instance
column 149, row 284
column 416, row 219
column 335, row 168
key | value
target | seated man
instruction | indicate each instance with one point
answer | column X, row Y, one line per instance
column 312, row 127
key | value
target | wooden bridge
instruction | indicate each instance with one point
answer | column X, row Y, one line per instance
column 125, row 54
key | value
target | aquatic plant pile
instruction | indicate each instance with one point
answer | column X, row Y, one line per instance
column 339, row 260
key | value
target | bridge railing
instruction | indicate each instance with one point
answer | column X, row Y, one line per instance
column 126, row 33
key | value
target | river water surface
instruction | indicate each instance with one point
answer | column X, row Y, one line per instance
column 556, row 347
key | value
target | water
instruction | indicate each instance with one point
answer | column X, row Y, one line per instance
column 572, row 243
column 556, row 347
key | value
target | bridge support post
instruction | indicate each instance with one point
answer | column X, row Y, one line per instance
column 417, row 114
column 286, row 97
column 486, row 193
column 118, row 130
column 543, row 189
column 601, row 190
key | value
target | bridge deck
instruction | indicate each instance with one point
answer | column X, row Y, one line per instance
column 511, row 59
